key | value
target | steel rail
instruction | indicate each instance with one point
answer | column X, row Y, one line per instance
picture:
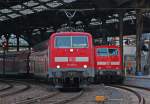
column 27, row 86
column 37, row 99
column 65, row 101
column 139, row 96
column 6, row 88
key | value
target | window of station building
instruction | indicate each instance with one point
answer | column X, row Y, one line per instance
column 23, row 44
column 12, row 44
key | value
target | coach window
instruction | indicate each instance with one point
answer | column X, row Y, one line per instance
column 79, row 42
column 113, row 52
column 63, row 42
column 102, row 52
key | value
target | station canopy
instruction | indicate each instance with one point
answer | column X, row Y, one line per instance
column 35, row 20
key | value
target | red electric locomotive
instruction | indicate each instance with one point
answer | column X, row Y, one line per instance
column 71, row 62
column 108, row 64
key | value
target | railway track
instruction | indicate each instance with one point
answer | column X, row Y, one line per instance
column 37, row 99
column 142, row 91
column 27, row 92
column 69, row 99
column 111, row 95
column 148, row 89
column 9, row 92
column 34, row 99
column 7, row 86
column 63, row 98
column 56, row 98
column 141, row 99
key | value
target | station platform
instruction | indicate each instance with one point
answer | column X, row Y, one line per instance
column 141, row 81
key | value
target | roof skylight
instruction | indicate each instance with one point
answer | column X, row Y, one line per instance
column 26, row 11
column 54, row 4
column 68, row 1
column 116, row 15
column 40, row 8
column 2, row 18
column 129, row 18
column 31, row 3
column 30, row 7
column 44, row 0
column 14, row 15
column 5, row 11
column 95, row 23
column 112, row 20
column 78, row 22
column 17, row 7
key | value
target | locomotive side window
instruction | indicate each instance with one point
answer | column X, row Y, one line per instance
column 113, row 52
column 79, row 42
column 71, row 42
column 63, row 42
column 102, row 52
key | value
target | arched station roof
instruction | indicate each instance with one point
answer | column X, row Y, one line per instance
column 35, row 20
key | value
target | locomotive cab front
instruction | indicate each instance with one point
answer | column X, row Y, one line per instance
column 108, row 64
column 71, row 59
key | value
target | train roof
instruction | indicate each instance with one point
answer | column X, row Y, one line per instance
column 70, row 33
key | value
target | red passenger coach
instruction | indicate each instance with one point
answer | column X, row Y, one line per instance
column 71, row 61
column 108, row 64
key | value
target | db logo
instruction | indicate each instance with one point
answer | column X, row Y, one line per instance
column 72, row 59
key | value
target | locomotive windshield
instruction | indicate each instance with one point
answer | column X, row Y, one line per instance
column 106, row 52
column 113, row 52
column 63, row 42
column 71, row 42
column 102, row 52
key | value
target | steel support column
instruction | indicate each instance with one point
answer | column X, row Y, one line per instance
column 18, row 45
column 4, row 60
column 148, row 60
column 139, row 28
column 121, row 14
column 29, row 33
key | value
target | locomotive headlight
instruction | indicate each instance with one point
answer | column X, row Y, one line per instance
column 58, row 66
column 85, row 66
column 71, row 50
